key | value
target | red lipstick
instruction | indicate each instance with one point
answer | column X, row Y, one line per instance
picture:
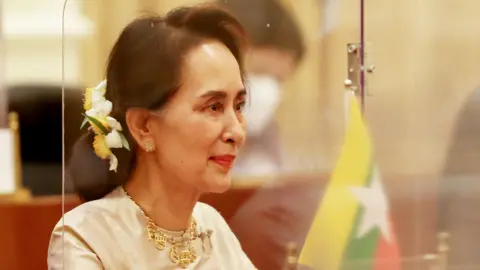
column 225, row 160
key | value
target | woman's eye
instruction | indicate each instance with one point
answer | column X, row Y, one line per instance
column 215, row 107
column 218, row 107
column 240, row 106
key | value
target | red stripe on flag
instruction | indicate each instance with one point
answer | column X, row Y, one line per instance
column 387, row 255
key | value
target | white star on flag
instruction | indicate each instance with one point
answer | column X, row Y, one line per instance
column 375, row 205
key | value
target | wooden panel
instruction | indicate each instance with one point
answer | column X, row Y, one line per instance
column 25, row 231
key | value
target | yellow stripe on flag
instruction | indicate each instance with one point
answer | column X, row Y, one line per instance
column 329, row 234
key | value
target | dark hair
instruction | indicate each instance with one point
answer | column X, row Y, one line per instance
column 144, row 70
column 268, row 24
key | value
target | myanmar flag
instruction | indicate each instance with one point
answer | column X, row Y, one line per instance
column 352, row 229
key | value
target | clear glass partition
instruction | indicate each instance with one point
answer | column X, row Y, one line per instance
column 423, row 117
column 413, row 68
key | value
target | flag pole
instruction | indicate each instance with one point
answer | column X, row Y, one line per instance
column 362, row 56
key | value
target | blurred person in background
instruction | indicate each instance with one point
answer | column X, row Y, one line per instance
column 272, row 218
column 276, row 50
column 173, row 97
column 460, row 187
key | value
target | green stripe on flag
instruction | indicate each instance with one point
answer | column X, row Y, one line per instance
column 360, row 252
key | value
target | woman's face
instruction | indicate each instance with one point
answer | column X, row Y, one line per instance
column 202, row 127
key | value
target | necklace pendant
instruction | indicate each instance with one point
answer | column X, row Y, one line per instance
column 150, row 232
column 207, row 242
column 160, row 240
column 183, row 258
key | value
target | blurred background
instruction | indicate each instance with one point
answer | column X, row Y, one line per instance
column 422, row 109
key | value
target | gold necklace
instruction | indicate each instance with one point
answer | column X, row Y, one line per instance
column 181, row 252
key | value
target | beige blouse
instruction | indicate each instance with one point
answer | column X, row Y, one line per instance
column 110, row 233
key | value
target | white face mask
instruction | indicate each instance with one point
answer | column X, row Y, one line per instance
column 264, row 98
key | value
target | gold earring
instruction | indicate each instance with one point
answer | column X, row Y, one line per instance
column 148, row 146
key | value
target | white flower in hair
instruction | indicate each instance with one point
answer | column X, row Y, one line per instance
column 106, row 128
column 112, row 122
column 114, row 140
column 113, row 162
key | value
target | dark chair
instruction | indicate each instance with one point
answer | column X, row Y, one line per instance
column 40, row 115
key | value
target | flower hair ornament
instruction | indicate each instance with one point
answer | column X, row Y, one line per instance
column 107, row 130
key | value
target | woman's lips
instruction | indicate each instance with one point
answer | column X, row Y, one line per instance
column 225, row 160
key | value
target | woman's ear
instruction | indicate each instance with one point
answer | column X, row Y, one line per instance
column 136, row 119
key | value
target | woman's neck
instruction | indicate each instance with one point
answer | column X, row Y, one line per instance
column 165, row 200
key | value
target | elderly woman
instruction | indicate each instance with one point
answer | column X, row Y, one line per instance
column 171, row 105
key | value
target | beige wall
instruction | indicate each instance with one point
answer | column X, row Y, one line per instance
column 426, row 57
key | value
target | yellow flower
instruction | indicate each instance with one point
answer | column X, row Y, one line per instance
column 96, row 129
column 87, row 102
column 100, row 147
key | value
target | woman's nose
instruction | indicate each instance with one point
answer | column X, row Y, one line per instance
column 235, row 131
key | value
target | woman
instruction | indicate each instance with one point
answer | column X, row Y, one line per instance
column 176, row 87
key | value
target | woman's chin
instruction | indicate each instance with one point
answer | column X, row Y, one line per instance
column 218, row 184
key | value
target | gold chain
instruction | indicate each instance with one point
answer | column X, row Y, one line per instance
column 181, row 252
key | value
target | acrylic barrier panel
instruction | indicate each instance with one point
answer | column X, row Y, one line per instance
column 420, row 118
column 294, row 128
column 421, row 114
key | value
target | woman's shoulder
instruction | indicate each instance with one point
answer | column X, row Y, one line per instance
column 91, row 212
column 209, row 218
column 206, row 210
column 89, row 232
